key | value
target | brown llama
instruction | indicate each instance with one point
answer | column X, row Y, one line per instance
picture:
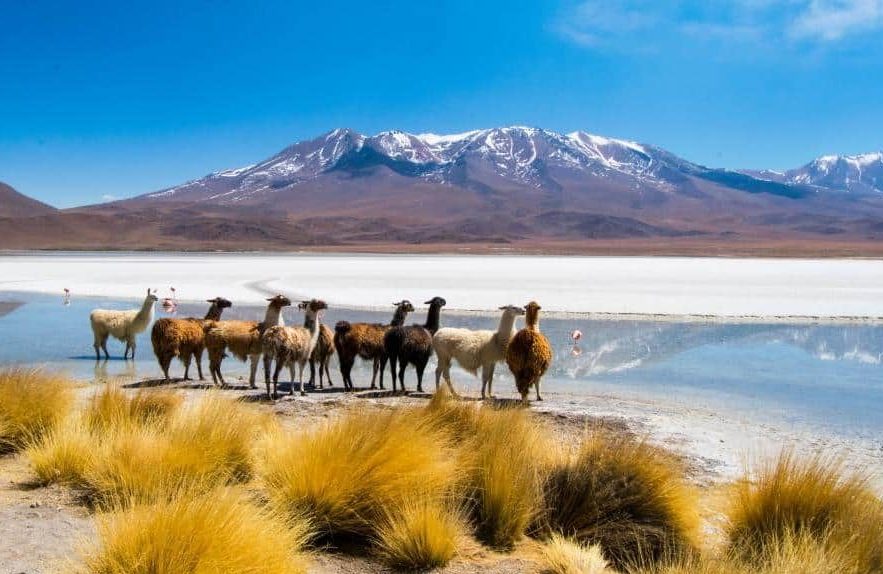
column 184, row 338
column 242, row 339
column 365, row 340
column 529, row 354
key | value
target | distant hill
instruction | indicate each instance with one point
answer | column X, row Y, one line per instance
column 510, row 187
column 15, row 204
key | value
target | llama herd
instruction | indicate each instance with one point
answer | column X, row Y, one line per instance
column 526, row 352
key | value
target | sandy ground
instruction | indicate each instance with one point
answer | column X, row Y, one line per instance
column 635, row 286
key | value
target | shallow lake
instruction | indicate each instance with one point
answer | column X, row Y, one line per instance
column 800, row 376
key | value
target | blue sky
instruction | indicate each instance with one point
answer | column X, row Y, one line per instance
column 103, row 99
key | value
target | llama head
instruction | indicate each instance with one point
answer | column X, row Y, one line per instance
column 436, row 302
column 279, row 301
column 313, row 305
column 512, row 310
column 220, row 302
column 532, row 310
column 151, row 296
column 404, row 305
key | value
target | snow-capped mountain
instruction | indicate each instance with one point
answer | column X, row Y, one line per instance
column 480, row 159
column 853, row 173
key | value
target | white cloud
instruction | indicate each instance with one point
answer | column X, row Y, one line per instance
column 831, row 20
column 108, row 197
column 630, row 25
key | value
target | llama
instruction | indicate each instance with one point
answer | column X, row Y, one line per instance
column 529, row 354
column 123, row 325
column 365, row 340
column 184, row 338
column 321, row 354
column 290, row 345
column 242, row 338
column 474, row 349
column 413, row 344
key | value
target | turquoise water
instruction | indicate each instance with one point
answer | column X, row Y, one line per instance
column 830, row 375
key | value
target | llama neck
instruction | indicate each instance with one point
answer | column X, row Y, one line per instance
column 532, row 320
column 214, row 313
column 433, row 318
column 506, row 327
column 312, row 322
column 146, row 311
column 273, row 317
column 399, row 318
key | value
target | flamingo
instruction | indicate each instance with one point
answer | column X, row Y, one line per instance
column 576, row 335
column 67, row 296
column 169, row 304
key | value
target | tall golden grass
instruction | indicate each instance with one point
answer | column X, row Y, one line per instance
column 421, row 532
column 625, row 496
column 505, row 455
column 811, row 499
column 345, row 475
column 216, row 531
column 32, row 404
column 113, row 408
column 125, row 450
column 563, row 556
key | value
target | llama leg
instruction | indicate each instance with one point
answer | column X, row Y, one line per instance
column 96, row 344
column 254, row 370
column 164, row 362
column 374, row 374
column 447, row 374
column 104, row 347
column 132, row 346
column 383, row 359
column 539, row 397
column 301, row 376
column 187, row 359
column 420, row 369
column 490, row 380
column 279, row 365
column 393, row 363
column 439, row 369
column 402, row 368
column 484, row 380
column 327, row 373
column 199, row 364
column 313, row 374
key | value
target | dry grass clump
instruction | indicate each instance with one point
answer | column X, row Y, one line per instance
column 203, row 446
column 346, row 475
column 506, row 456
column 113, row 408
column 421, row 532
column 63, row 455
column 32, row 404
column 125, row 450
column 807, row 500
column 625, row 496
column 217, row 531
column 563, row 556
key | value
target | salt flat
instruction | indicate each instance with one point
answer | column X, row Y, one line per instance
column 720, row 287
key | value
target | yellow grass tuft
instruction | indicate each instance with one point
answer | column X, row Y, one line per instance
column 203, row 446
column 563, row 556
column 506, row 455
column 217, row 531
column 421, row 532
column 347, row 474
column 32, row 404
column 803, row 500
column 112, row 407
column 63, row 455
column 625, row 496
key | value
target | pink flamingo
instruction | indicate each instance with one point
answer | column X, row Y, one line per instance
column 67, row 296
column 576, row 335
column 169, row 304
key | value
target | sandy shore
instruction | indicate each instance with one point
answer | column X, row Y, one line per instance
column 634, row 287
